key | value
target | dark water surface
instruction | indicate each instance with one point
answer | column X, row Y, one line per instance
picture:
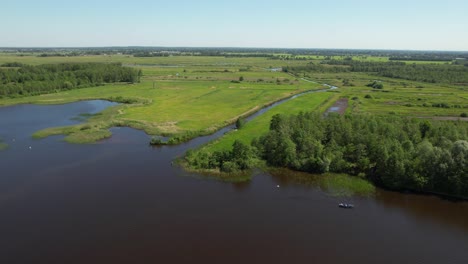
column 121, row 201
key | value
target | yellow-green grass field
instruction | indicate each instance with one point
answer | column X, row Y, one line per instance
column 197, row 95
column 257, row 127
column 260, row 125
column 198, row 98
column 218, row 62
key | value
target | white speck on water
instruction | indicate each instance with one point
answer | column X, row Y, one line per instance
column 30, row 147
column 277, row 186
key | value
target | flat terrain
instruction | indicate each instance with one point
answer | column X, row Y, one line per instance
column 177, row 95
column 188, row 96
column 261, row 124
column 400, row 97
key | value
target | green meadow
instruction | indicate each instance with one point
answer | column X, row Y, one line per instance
column 194, row 96
column 260, row 125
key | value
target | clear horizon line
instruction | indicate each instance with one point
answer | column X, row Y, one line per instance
column 226, row 47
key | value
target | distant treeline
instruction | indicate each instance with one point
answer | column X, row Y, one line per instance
column 393, row 152
column 422, row 58
column 56, row 54
column 433, row 73
column 225, row 51
column 34, row 80
column 207, row 53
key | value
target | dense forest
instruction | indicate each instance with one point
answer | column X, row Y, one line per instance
column 433, row 73
column 393, row 152
column 17, row 79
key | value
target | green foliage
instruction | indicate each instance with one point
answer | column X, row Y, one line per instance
column 375, row 85
column 240, row 122
column 425, row 126
column 347, row 82
column 12, row 64
column 441, row 105
column 431, row 73
column 240, row 157
column 3, row 146
column 345, row 185
column 124, row 100
column 48, row 78
column 155, row 141
column 394, row 152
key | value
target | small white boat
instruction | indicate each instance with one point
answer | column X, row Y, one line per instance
column 345, row 205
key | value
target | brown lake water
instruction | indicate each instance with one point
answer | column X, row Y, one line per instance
column 121, row 201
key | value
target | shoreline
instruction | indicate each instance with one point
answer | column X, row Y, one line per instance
column 111, row 120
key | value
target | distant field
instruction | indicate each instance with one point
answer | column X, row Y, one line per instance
column 183, row 61
column 197, row 95
column 398, row 96
column 200, row 97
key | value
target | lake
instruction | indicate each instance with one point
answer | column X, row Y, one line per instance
column 122, row 201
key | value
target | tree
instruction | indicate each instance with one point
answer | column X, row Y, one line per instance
column 425, row 127
column 242, row 155
column 241, row 79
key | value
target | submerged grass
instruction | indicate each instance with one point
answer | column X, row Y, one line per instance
column 346, row 185
column 216, row 174
column 341, row 185
column 3, row 146
column 77, row 134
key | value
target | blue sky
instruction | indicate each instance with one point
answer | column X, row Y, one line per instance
column 355, row 24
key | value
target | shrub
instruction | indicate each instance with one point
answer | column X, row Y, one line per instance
column 240, row 123
column 229, row 167
column 156, row 141
column 375, row 85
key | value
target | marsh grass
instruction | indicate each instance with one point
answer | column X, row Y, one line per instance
column 335, row 184
column 216, row 174
column 346, row 185
column 3, row 145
